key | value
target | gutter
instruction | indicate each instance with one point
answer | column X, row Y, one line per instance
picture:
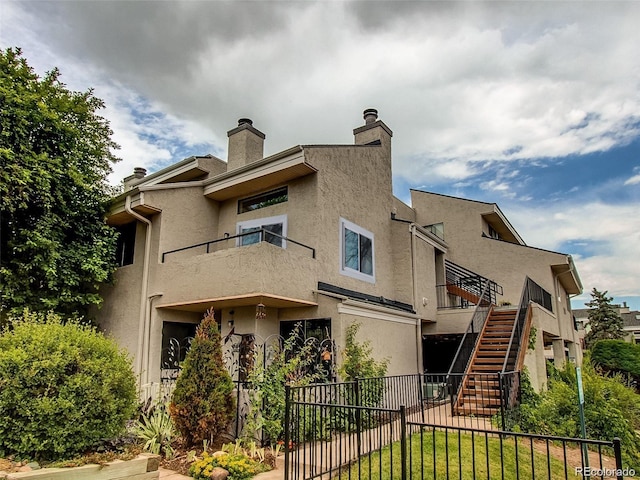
column 142, row 321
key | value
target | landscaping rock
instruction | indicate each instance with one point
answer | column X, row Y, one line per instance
column 219, row 453
column 34, row 465
column 219, row 473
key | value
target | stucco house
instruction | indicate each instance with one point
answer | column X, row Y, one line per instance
column 314, row 234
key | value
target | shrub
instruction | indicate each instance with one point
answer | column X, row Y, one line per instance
column 611, row 410
column 358, row 365
column 357, row 360
column 618, row 356
column 156, row 430
column 202, row 404
column 293, row 364
column 63, row 388
column 239, row 466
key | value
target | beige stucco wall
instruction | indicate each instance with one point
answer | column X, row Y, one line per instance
column 505, row 263
column 187, row 217
column 258, row 268
column 120, row 312
column 396, row 342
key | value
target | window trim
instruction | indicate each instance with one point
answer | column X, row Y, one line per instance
column 259, row 222
column 350, row 272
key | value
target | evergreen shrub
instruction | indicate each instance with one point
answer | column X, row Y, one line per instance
column 64, row 387
column 202, row 404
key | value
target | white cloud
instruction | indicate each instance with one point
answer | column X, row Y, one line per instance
column 611, row 232
column 464, row 82
column 462, row 85
column 634, row 180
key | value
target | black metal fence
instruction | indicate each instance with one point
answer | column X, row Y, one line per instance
column 329, row 434
column 241, row 353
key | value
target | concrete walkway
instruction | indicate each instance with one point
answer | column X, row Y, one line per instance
column 171, row 475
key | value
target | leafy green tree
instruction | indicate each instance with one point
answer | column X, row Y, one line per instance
column 604, row 322
column 202, row 404
column 55, row 154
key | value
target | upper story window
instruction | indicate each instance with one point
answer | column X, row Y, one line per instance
column 125, row 244
column 279, row 195
column 270, row 229
column 493, row 233
column 357, row 258
column 437, row 229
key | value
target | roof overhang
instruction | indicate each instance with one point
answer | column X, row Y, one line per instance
column 190, row 168
column 567, row 275
column 250, row 299
column 260, row 175
column 118, row 215
column 500, row 224
column 432, row 239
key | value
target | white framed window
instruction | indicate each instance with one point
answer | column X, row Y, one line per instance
column 357, row 257
column 275, row 228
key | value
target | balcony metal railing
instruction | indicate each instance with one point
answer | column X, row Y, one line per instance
column 465, row 288
column 265, row 236
column 470, row 337
column 531, row 293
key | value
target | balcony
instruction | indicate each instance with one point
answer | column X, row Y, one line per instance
column 254, row 267
column 464, row 288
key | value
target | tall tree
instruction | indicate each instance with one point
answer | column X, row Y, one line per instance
column 604, row 321
column 55, row 154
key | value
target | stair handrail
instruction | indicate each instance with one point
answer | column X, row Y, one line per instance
column 531, row 292
column 478, row 319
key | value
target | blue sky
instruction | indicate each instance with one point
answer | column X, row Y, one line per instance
column 532, row 105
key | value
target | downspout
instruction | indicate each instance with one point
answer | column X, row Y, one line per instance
column 144, row 289
column 557, row 292
column 414, row 275
column 147, row 351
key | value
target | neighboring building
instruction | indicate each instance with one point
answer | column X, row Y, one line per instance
column 314, row 234
column 630, row 320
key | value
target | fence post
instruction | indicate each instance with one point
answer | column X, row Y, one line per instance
column 403, row 442
column 502, row 399
column 422, row 382
column 618, row 453
column 358, row 402
column 287, row 431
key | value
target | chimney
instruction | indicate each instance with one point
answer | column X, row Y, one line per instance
column 246, row 144
column 374, row 131
column 132, row 180
column 139, row 172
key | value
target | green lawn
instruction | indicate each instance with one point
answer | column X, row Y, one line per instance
column 466, row 454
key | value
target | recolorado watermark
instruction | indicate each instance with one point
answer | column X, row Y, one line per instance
column 605, row 472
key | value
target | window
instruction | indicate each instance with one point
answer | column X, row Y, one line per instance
column 126, row 243
column 493, row 233
column 266, row 199
column 275, row 228
column 176, row 340
column 357, row 259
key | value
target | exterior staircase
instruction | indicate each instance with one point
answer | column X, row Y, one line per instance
column 480, row 390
